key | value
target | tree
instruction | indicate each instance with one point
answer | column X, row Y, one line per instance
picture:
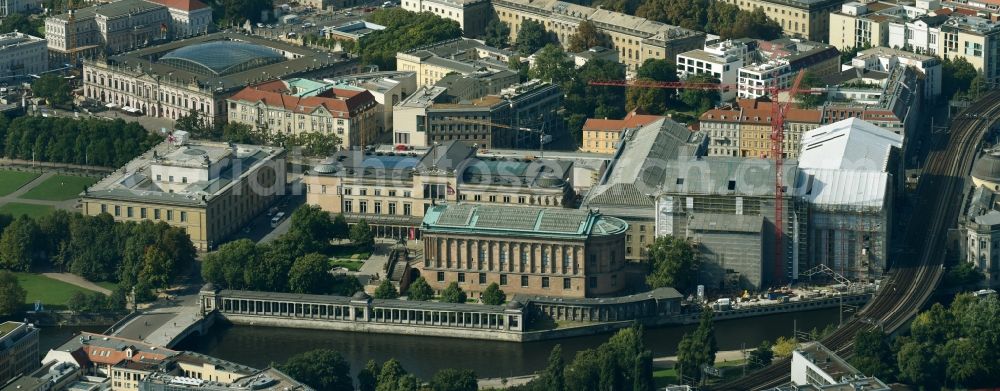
column 700, row 101
column 783, row 347
column 872, row 354
column 310, row 274
column 404, row 31
column 585, row 101
column 652, row 100
column 531, row 37
column 762, row 355
column 313, row 227
column 17, row 244
column 315, row 144
column 362, row 236
column 195, row 125
column 340, row 229
column 225, row 267
column 345, row 285
column 552, row 65
column 493, row 295
column 964, row 273
column 236, row 132
column 918, row 363
column 453, row 294
column 389, row 376
column 697, row 348
column 77, row 302
column 809, row 101
column 55, row 89
column 956, row 76
column 420, row 290
column 156, row 268
column 368, row 377
column 386, row 290
column 321, row 369
column 11, row 294
column 497, row 33
column 674, row 263
column 553, row 378
column 587, row 36
column 450, row 379
column 21, row 23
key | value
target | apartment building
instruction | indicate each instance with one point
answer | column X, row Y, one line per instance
column 8, row 7
column 211, row 189
column 106, row 29
column 721, row 60
column 297, row 106
column 471, row 15
column 635, row 39
column 744, row 130
column 392, row 191
column 883, row 59
column 925, row 28
column 18, row 350
column 778, row 62
column 200, row 73
column 626, row 188
column 462, row 55
column 602, row 135
column 188, row 17
column 535, row 251
column 512, row 119
column 22, row 55
column 807, row 19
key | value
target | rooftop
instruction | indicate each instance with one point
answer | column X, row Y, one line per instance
column 224, row 61
column 229, row 163
column 110, row 350
column 844, row 189
column 440, row 158
column 827, row 361
column 717, row 222
column 724, row 175
column 183, row 5
column 507, row 221
column 339, row 102
column 849, row 144
column 13, row 39
column 631, row 120
column 112, row 10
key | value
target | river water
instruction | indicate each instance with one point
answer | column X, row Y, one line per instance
column 423, row 356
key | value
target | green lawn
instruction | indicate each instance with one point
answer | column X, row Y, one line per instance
column 107, row 285
column 664, row 377
column 348, row 264
column 17, row 209
column 349, row 251
column 53, row 293
column 10, row 181
column 59, row 188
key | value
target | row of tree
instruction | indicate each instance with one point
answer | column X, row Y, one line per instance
column 404, row 30
column 420, row 290
column 142, row 255
column 327, row 370
column 294, row 262
column 316, row 144
column 948, row 347
column 66, row 140
column 714, row 17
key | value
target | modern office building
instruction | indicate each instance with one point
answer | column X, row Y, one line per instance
column 188, row 17
column 814, row 367
column 462, row 56
column 776, row 64
column 635, row 39
column 745, row 129
column 927, row 27
column 211, row 189
column 18, row 350
column 392, row 191
column 629, row 185
column 22, row 55
column 107, row 28
column 388, row 88
column 883, row 59
column 200, row 73
column 297, row 106
column 807, row 19
column 721, row 60
column 535, row 251
column 604, row 135
column 852, row 171
column 471, row 15
column 514, row 118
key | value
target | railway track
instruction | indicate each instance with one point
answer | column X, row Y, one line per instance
column 911, row 280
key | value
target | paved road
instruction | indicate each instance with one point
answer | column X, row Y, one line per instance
column 74, row 279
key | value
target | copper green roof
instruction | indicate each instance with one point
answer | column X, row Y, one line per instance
column 520, row 221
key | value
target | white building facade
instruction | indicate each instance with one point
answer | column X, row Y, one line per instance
column 21, row 55
column 471, row 15
column 721, row 60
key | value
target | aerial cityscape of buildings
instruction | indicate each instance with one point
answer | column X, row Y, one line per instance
column 504, row 171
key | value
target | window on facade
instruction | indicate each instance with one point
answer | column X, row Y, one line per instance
column 461, row 278
column 362, row 191
column 128, row 211
column 440, row 276
column 184, row 216
column 545, row 282
column 407, row 209
column 347, row 191
column 142, row 213
column 567, row 283
column 362, row 206
column 392, row 208
column 378, row 207
column 348, row 206
column 524, row 281
column 503, row 279
column 482, row 278
column 170, row 215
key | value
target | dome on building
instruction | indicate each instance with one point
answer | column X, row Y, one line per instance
column 221, row 57
column 986, row 171
column 324, row 169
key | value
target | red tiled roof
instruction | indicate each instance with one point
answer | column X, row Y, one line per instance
column 759, row 112
column 185, row 5
column 632, row 120
column 346, row 102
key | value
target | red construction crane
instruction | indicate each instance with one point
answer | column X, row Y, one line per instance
column 778, row 110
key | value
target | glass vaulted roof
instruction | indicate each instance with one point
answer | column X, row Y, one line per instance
column 221, row 57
